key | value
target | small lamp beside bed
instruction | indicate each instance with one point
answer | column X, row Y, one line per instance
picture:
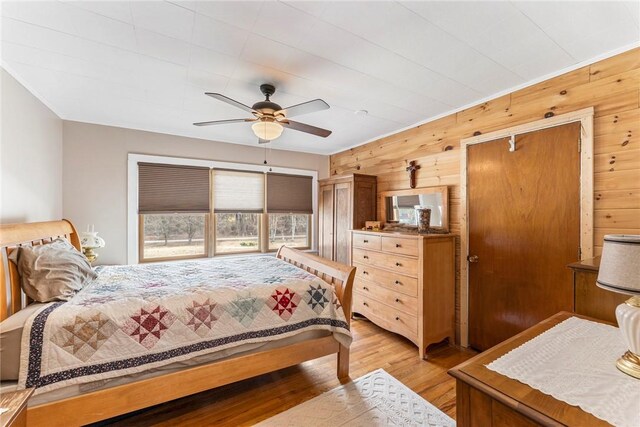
column 620, row 272
column 89, row 240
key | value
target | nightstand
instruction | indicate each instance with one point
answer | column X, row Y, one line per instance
column 590, row 300
column 16, row 402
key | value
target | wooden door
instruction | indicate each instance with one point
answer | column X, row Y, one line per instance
column 325, row 222
column 524, row 228
column 343, row 222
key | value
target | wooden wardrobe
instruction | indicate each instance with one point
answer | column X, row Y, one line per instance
column 345, row 203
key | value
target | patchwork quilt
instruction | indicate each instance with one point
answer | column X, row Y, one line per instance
column 134, row 318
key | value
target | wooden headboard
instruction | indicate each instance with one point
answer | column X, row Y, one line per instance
column 29, row 234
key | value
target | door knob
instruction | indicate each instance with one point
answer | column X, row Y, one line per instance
column 472, row 258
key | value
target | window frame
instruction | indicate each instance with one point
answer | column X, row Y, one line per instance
column 206, row 235
column 133, row 220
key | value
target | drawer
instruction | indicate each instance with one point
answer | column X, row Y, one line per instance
column 391, row 298
column 395, row 263
column 398, row 245
column 366, row 241
column 385, row 316
column 393, row 281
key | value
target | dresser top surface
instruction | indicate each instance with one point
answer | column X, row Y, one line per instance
column 592, row 264
column 403, row 234
column 517, row 395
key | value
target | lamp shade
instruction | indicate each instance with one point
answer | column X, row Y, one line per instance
column 620, row 264
column 267, row 130
column 90, row 239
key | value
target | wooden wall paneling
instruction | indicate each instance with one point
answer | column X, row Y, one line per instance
column 611, row 86
column 623, row 160
column 629, row 60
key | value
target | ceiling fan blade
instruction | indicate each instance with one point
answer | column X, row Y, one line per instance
column 230, row 101
column 222, row 122
column 304, row 108
column 305, row 128
column 263, row 141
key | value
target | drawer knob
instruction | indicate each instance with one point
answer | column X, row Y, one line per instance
column 365, row 304
column 397, row 299
column 366, row 257
column 365, row 272
column 398, row 264
column 365, row 241
column 397, row 318
column 365, row 288
column 397, row 282
column 398, row 245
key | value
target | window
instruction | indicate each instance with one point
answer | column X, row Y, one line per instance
column 238, row 205
column 237, row 232
column 289, row 204
column 188, row 211
column 289, row 229
column 168, row 236
column 173, row 209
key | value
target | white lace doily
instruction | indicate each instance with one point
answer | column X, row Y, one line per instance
column 575, row 362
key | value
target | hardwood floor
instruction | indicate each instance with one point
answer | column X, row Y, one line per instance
column 256, row 399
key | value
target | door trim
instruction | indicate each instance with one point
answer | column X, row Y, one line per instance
column 585, row 117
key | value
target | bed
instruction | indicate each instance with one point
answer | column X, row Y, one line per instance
column 171, row 381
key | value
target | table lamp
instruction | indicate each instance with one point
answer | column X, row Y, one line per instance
column 620, row 272
column 89, row 240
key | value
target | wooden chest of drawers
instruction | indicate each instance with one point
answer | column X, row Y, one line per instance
column 405, row 283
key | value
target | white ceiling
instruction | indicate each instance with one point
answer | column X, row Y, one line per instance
column 145, row 65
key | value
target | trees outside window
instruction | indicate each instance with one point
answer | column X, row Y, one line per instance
column 173, row 236
column 237, row 232
column 289, row 229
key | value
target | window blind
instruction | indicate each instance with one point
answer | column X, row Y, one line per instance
column 235, row 191
column 172, row 188
column 289, row 194
column 408, row 201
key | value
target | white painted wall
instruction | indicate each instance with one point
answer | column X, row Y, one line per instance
column 95, row 173
column 30, row 156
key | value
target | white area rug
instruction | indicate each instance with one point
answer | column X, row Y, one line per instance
column 376, row 399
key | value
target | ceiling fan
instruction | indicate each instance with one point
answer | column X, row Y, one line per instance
column 269, row 118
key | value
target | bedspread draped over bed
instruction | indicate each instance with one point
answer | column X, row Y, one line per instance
column 134, row 318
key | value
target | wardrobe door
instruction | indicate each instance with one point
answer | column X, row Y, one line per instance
column 343, row 222
column 325, row 222
column 365, row 200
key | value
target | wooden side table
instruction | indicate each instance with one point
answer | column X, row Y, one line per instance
column 486, row 398
column 591, row 300
column 16, row 402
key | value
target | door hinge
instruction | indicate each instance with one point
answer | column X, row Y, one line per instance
column 579, row 253
column 580, row 144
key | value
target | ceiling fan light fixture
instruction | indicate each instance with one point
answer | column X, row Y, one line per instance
column 267, row 130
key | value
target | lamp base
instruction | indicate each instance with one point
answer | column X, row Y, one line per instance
column 628, row 315
column 90, row 254
column 629, row 363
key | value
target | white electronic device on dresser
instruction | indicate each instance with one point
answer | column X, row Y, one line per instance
column 405, row 283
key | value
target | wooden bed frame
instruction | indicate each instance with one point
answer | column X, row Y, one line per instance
column 107, row 403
